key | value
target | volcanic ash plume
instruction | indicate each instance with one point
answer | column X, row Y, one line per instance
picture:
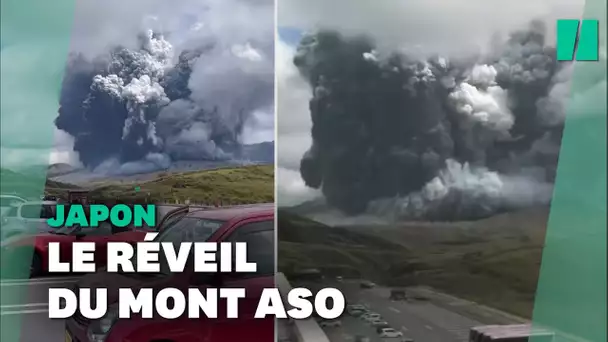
column 432, row 138
column 136, row 110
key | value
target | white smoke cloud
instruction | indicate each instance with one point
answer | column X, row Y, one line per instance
column 482, row 101
column 577, row 102
column 468, row 187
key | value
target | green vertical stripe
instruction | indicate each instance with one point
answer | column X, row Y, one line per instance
column 571, row 294
column 35, row 36
column 588, row 41
column 567, row 31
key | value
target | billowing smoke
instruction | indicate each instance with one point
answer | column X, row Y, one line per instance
column 433, row 138
column 138, row 109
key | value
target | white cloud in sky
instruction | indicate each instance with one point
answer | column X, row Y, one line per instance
column 293, row 128
column 438, row 25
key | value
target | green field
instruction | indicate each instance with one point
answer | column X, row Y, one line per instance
column 231, row 185
column 494, row 261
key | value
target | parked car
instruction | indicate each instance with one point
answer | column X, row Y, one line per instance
column 356, row 313
column 360, row 307
column 252, row 224
column 330, row 323
column 380, row 324
column 390, row 333
column 65, row 236
column 9, row 201
column 28, row 218
column 356, row 310
column 370, row 317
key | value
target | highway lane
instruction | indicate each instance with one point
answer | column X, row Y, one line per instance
column 434, row 322
column 25, row 302
column 422, row 321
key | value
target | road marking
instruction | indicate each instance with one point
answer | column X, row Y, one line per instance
column 23, row 312
column 394, row 310
column 428, row 327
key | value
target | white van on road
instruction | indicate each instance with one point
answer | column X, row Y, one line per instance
column 390, row 333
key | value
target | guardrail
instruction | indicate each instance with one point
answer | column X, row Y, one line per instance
column 304, row 330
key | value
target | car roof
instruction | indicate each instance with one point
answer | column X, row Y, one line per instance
column 39, row 203
column 12, row 196
column 234, row 212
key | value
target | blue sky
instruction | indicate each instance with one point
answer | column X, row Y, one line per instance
column 290, row 35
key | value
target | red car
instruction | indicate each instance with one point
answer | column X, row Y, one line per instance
column 38, row 244
column 252, row 224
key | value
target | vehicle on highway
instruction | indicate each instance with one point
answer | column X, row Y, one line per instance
column 356, row 310
column 28, row 217
column 9, row 201
column 357, row 307
column 397, row 294
column 366, row 284
column 371, row 316
column 330, row 323
column 253, row 225
column 380, row 324
column 36, row 245
column 390, row 333
column 356, row 313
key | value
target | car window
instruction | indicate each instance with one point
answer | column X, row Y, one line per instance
column 171, row 221
column 259, row 237
column 47, row 211
column 31, row 211
column 188, row 229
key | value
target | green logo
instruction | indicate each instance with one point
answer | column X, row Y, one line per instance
column 577, row 40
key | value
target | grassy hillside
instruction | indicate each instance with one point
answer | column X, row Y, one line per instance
column 307, row 244
column 494, row 261
column 234, row 185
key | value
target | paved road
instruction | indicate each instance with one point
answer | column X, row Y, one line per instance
column 422, row 321
column 25, row 302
